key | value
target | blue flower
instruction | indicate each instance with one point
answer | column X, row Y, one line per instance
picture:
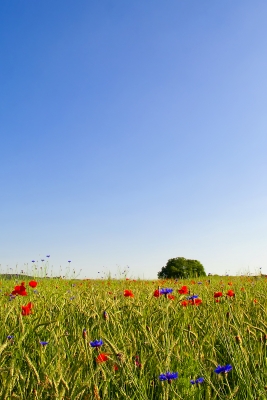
column 96, row 343
column 195, row 296
column 43, row 343
column 9, row 337
column 223, row 369
column 166, row 291
column 197, row 381
column 168, row 376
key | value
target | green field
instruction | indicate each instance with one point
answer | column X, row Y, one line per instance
column 143, row 337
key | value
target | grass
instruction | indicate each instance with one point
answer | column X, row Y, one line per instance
column 157, row 333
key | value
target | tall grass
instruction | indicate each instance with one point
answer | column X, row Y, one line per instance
column 164, row 336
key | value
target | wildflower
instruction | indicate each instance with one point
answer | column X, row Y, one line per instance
column 171, row 297
column 230, row 293
column 223, row 369
column 255, row 301
column 20, row 290
column 242, row 289
column 217, row 294
column 168, row 376
column 102, row 357
column 33, row 284
column 96, row 343
column 105, row 315
column 84, row 333
column 137, row 362
column 43, row 343
column 183, row 290
column 184, row 303
column 115, row 367
column 199, row 283
column 156, row 293
column 26, row 310
column 166, row 291
column 10, row 337
column 230, row 283
column 197, row 381
column 195, row 302
column 195, row 296
column 128, row 293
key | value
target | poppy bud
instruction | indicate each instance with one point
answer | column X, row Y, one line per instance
column 84, row 333
column 227, row 314
column 189, row 327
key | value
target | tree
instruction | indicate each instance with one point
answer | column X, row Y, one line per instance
column 180, row 267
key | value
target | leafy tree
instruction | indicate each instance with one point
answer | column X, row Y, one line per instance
column 180, row 267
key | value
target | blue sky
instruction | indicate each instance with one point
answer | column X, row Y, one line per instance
column 133, row 132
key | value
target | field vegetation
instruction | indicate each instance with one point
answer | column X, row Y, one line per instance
column 133, row 339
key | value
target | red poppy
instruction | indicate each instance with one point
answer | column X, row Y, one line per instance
column 195, row 302
column 26, row 310
column 230, row 293
column 255, row 301
column 230, row 283
column 218, row 301
column 128, row 293
column 242, row 289
column 33, row 284
column 183, row 290
column 184, row 303
column 156, row 293
column 20, row 290
column 115, row 367
column 102, row 357
column 217, row 294
column 171, row 297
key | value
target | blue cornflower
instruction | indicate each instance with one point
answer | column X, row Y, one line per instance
column 33, row 260
column 11, row 297
column 168, row 376
column 166, row 291
column 195, row 296
column 96, row 343
column 197, row 381
column 43, row 343
column 199, row 283
column 223, row 369
column 10, row 337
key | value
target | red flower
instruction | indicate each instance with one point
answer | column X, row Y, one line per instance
column 26, row 310
column 217, row 301
column 195, row 302
column 33, row 284
column 230, row 283
column 184, row 303
column 183, row 290
column 102, row 357
column 230, row 293
column 156, row 293
column 128, row 293
column 115, row 367
column 242, row 289
column 217, row 294
column 171, row 297
column 20, row 290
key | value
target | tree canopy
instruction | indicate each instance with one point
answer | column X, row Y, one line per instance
column 181, row 267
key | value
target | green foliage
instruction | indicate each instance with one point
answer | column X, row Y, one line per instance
column 165, row 336
column 182, row 268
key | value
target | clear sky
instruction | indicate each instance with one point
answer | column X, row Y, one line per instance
column 132, row 132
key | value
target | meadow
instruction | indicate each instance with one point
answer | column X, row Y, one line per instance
column 127, row 339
